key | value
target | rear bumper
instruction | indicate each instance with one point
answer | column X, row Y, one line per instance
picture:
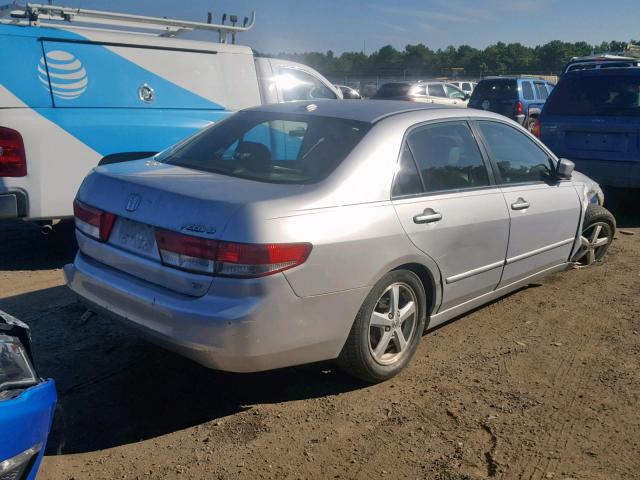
column 13, row 204
column 611, row 173
column 25, row 422
column 239, row 325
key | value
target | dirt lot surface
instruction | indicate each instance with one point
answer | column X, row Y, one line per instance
column 543, row 384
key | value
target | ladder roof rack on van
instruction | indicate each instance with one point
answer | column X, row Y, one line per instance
column 35, row 14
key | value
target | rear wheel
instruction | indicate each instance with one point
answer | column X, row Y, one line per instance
column 531, row 124
column 597, row 234
column 387, row 329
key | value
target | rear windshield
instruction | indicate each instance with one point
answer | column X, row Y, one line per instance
column 499, row 89
column 392, row 90
column 596, row 95
column 270, row 147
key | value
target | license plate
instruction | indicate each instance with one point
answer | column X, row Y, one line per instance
column 134, row 236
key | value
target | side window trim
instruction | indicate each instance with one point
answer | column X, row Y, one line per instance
column 494, row 166
column 493, row 183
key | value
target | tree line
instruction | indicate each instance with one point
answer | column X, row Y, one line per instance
column 420, row 60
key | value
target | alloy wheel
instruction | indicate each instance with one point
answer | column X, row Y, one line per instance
column 593, row 243
column 392, row 325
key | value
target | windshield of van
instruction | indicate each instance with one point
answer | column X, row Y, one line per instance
column 270, row 147
column 596, row 95
column 498, row 89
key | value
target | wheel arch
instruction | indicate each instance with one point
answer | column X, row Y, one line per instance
column 431, row 286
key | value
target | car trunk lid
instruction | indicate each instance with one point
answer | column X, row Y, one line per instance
column 147, row 195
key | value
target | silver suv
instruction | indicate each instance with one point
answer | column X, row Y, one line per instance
column 302, row 232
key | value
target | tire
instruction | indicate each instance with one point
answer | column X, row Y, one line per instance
column 365, row 354
column 530, row 124
column 598, row 230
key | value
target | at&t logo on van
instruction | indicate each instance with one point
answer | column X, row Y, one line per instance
column 67, row 79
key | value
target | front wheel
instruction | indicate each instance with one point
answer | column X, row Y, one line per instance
column 387, row 330
column 598, row 230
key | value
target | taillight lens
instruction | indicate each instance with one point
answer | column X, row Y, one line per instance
column 536, row 129
column 245, row 260
column 518, row 108
column 13, row 161
column 93, row 222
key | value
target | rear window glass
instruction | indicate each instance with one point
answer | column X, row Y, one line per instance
column 497, row 89
column 391, row 90
column 596, row 95
column 542, row 91
column 270, row 147
column 527, row 91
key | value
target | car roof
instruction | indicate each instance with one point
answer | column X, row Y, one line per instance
column 369, row 111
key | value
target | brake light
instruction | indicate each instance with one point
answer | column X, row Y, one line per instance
column 518, row 108
column 244, row 260
column 93, row 222
column 13, row 161
column 536, row 129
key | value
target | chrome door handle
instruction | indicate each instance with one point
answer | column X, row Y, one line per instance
column 520, row 204
column 428, row 216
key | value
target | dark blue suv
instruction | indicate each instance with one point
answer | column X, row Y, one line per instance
column 593, row 119
column 520, row 98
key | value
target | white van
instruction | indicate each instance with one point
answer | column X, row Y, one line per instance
column 74, row 96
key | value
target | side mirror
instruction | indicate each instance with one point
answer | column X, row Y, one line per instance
column 467, row 96
column 565, row 169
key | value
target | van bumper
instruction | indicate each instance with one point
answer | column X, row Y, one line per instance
column 13, row 204
column 238, row 326
column 611, row 173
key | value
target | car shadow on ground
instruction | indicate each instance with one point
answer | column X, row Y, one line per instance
column 625, row 206
column 115, row 388
column 24, row 247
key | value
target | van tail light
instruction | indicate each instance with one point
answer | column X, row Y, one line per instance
column 518, row 108
column 13, row 161
column 243, row 260
column 536, row 129
column 93, row 222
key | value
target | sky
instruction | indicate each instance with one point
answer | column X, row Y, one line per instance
column 354, row 25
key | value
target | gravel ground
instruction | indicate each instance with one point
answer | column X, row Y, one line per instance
column 542, row 384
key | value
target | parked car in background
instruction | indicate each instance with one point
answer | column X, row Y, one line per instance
column 519, row 98
column 593, row 119
column 466, row 86
column 349, row 93
column 594, row 62
column 219, row 245
column 27, row 404
column 75, row 97
column 440, row 93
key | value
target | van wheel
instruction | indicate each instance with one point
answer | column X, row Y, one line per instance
column 598, row 230
column 387, row 330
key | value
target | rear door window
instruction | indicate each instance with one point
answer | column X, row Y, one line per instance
column 455, row 93
column 448, row 157
column 517, row 157
column 541, row 89
column 436, row 90
column 407, row 180
column 602, row 93
column 527, row 91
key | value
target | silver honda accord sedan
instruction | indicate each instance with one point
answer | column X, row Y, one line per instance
column 301, row 232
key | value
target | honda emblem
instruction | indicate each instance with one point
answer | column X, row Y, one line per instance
column 133, row 202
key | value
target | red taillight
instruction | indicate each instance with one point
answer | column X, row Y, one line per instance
column 536, row 129
column 518, row 108
column 93, row 222
column 228, row 258
column 13, row 161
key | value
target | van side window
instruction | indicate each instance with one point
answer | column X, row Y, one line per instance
column 518, row 158
column 448, row 157
column 298, row 85
column 436, row 90
column 527, row 91
column 407, row 180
